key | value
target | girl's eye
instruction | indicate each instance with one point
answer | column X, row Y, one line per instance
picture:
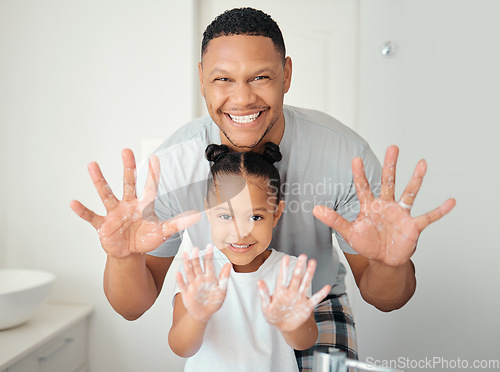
column 255, row 218
column 225, row 216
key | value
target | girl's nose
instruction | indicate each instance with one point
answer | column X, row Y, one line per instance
column 242, row 227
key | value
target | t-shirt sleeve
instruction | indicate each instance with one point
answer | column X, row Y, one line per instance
column 349, row 209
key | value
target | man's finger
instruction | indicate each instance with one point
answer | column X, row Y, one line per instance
column 151, row 186
column 129, row 175
column 363, row 189
column 425, row 220
column 180, row 222
column 331, row 218
column 389, row 173
column 86, row 214
column 411, row 190
column 108, row 198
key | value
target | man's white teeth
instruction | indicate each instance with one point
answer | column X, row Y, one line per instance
column 240, row 246
column 244, row 119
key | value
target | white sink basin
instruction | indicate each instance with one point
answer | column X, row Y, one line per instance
column 22, row 293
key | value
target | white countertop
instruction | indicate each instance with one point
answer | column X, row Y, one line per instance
column 53, row 319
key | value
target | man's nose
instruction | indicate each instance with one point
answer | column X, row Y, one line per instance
column 243, row 94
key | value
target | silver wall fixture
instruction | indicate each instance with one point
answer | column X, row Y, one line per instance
column 387, row 49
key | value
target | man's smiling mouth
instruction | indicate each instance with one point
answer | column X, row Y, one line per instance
column 245, row 118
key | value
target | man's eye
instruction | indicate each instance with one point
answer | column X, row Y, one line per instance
column 255, row 218
column 261, row 77
column 221, row 79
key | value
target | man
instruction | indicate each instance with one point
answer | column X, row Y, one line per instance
column 244, row 74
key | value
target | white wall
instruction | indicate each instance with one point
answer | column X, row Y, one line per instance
column 437, row 98
column 79, row 81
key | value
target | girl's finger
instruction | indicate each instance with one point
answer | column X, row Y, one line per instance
column 208, row 261
column 281, row 280
column 224, row 276
column 307, row 279
column 265, row 298
column 188, row 268
column 195, row 262
column 319, row 296
column 181, row 283
column 298, row 273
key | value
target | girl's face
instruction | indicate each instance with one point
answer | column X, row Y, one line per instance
column 242, row 225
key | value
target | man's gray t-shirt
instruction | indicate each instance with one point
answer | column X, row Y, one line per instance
column 315, row 170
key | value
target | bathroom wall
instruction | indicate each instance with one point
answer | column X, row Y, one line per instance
column 80, row 81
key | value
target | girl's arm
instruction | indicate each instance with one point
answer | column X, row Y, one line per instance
column 289, row 308
column 303, row 337
column 202, row 294
column 186, row 335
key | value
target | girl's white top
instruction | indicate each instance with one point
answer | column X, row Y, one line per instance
column 238, row 337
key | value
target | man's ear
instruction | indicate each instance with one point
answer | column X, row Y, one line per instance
column 200, row 73
column 287, row 74
column 279, row 211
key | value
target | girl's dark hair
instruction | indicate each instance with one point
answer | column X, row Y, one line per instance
column 244, row 21
column 245, row 164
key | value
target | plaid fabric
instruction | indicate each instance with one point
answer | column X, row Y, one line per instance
column 336, row 329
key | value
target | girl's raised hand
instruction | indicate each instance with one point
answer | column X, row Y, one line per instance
column 289, row 307
column 202, row 293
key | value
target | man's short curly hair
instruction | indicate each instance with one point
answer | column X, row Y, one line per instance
column 244, row 21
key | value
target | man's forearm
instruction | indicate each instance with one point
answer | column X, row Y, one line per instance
column 129, row 285
column 388, row 288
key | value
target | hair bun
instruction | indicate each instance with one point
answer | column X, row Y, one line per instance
column 214, row 152
column 272, row 152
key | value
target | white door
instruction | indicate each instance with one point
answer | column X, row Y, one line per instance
column 321, row 39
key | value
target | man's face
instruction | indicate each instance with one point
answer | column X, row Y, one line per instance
column 243, row 81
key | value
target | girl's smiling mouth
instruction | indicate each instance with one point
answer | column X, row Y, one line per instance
column 240, row 248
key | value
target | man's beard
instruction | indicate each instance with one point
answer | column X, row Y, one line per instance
column 254, row 145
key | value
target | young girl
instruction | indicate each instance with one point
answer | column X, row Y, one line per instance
column 219, row 323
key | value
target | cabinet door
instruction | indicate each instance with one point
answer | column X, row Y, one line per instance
column 65, row 353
